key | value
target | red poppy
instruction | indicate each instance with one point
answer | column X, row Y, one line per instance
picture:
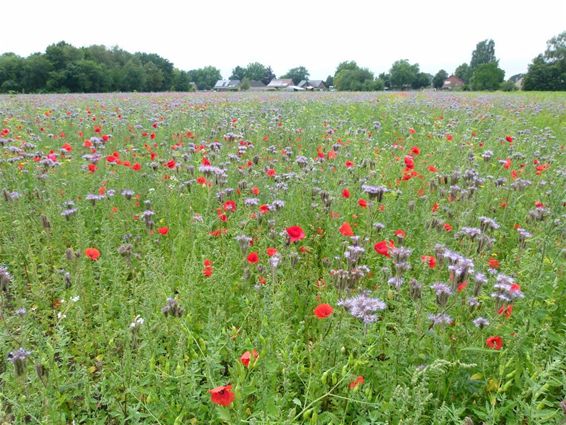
column 222, row 395
column 136, row 167
column 462, row 286
column 505, row 310
column 255, row 190
column 430, row 260
column 295, row 233
column 349, row 164
column 412, row 131
column 415, row 150
column 432, row 169
column 449, row 137
column 322, row 311
column 271, row 252
column 358, row 381
column 345, row 193
column 494, row 342
column 163, row 230
column 509, row 139
column 230, row 206
column 493, row 263
column 448, row 227
column 91, row 168
column 435, row 207
column 362, row 203
column 171, row 164
column 92, row 253
column 383, row 247
column 400, row 233
column 409, row 162
column 346, row 229
column 270, row 172
column 253, row 257
column 247, row 356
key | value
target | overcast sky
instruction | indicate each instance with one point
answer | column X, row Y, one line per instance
column 287, row 33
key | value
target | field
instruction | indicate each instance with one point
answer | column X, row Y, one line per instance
column 283, row 258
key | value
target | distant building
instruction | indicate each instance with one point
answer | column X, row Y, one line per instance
column 227, row 85
column 256, row 85
column 518, row 79
column 452, row 83
column 315, row 85
column 279, row 84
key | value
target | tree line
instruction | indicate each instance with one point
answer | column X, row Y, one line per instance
column 64, row 68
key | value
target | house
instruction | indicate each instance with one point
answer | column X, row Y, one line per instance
column 452, row 83
column 227, row 85
column 518, row 80
column 279, row 84
column 316, row 85
column 256, row 85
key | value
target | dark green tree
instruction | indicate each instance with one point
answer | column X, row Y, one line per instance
column 350, row 77
column 329, row 82
column 422, row 80
column 548, row 70
column 439, row 78
column 487, row 76
column 238, row 73
column 403, row 74
column 484, row 53
column 11, row 73
column 463, row 72
column 205, row 78
column 297, row 74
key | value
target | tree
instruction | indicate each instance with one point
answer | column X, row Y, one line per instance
column 386, row 78
column 134, row 76
column 36, row 69
column 403, row 74
column 11, row 69
column 484, row 53
column 350, row 77
column 181, row 81
column 205, row 78
column 422, row 80
column 238, row 73
column 245, row 85
column 329, row 81
column 548, row 70
column 487, row 76
column 297, row 74
column 463, row 73
column 439, row 78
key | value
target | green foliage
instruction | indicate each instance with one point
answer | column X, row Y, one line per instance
column 350, row 77
column 507, row 86
column 329, row 82
column 245, row 84
column 403, row 75
column 297, row 74
column 487, row 76
column 254, row 71
column 439, row 78
column 548, row 71
column 204, row 78
column 463, row 72
column 65, row 68
column 484, row 53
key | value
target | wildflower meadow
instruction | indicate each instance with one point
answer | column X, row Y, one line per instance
column 283, row 258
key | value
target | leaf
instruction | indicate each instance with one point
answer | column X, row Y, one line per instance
column 297, row 402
